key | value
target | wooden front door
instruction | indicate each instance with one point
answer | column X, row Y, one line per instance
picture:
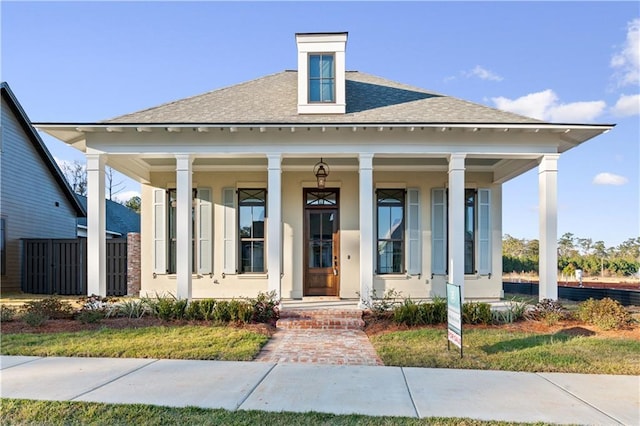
column 322, row 243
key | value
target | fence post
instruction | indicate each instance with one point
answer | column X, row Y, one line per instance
column 133, row 264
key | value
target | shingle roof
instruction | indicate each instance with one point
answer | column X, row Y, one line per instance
column 119, row 218
column 273, row 99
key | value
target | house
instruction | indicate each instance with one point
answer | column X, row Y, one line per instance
column 323, row 182
column 119, row 219
column 36, row 201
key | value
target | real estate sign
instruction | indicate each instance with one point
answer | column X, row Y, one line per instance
column 454, row 315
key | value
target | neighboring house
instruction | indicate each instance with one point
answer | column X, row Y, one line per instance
column 119, row 220
column 36, row 201
column 408, row 195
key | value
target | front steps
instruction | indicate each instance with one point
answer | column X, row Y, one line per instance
column 321, row 319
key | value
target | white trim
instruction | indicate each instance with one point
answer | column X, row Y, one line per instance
column 413, row 232
column 159, row 231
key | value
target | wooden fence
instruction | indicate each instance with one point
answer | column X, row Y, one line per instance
column 60, row 266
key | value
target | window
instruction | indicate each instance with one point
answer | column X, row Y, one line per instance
column 3, row 247
column 322, row 79
column 477, row 244
column 171, row 220
column 469, row 231
column 391, row 234
column 165, row 231
column 252, row 205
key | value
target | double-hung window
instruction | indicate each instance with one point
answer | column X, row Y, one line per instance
column 252, row 204
column 399, row 242
column 391, row 235
column 165, row 228
column 477, row 231
column 322, row 79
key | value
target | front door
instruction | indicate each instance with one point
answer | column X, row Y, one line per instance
column 322, row 243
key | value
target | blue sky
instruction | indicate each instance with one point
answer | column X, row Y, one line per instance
column 562, row 62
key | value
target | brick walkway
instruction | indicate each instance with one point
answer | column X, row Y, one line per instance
column 322, row 337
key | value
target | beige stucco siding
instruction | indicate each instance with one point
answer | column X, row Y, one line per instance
column 220, row 285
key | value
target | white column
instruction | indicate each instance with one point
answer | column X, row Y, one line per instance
column 184, row 233
column 548, row 198
column 455, row 235
column 274, row 222
column 96, row 226
column 366, row 228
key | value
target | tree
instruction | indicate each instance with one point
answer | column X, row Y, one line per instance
column 76, row 175
column 113, row 187
column 566, row 245
column 134, row 203
column 512, row 246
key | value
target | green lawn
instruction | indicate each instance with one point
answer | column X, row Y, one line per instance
column 50, row 413
column 496, row 349
column 184, row 342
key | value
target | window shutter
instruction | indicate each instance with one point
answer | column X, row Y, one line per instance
column 204, row 231
column 159, row 231
column 229, row 202
column 413, row 224
column 438, row 231
column 484, row 231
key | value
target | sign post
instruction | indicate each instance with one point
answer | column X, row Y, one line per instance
column 454, row 316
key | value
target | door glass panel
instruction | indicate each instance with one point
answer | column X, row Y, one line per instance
column 321, row 240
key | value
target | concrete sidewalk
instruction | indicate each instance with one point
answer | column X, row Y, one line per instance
column 371, row 390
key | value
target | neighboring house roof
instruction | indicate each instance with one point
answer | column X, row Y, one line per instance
column 273, row 99
column 119, row 219
column 41, row 148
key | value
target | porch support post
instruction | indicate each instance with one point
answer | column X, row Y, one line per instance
column 96, row 226
column 274, row 223
column 548, row 194
column 366, row 228
column 455, row 235
column 184, row 200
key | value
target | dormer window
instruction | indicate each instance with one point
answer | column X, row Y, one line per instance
column 321, row 73
column 322, row 78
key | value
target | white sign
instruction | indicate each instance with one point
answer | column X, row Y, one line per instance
column 454, row 315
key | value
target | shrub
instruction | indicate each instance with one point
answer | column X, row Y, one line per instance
column 548, row 310
column 384, row 304
column 436, row 311
column 7, row 313
column 476, row 313
column 265, row 308
column 515, row 311
column 131, row 309
column 608, row 314
column 232, row 311
column 408, row 313
column 90, row 316
column 52, row 307
column 167, row 308
column 421, row 313
column 34, row 318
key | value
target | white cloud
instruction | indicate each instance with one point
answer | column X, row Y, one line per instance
column 545, row 106
column 609, row 179
column 483, row 74
column 626, row 62
column 627, row 105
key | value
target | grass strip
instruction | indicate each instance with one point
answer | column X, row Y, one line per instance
column 184, row 342
column 28, row 412
column 493, row 349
